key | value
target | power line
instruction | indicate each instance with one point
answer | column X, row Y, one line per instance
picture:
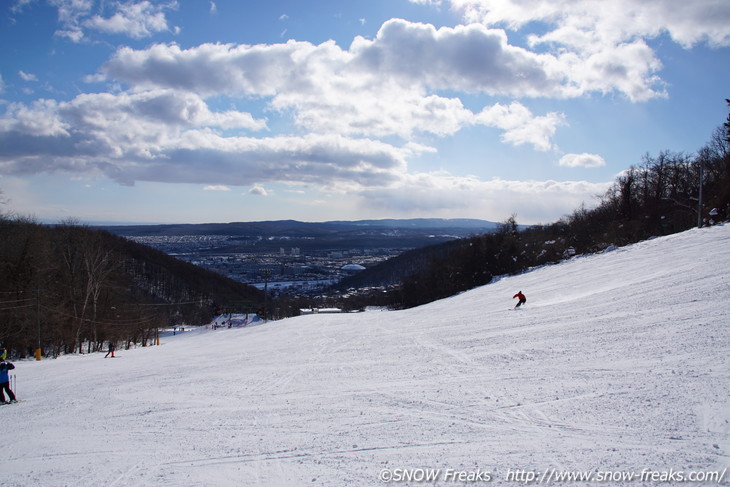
column 197, row 301
column 104, row 323
column 17, row 301
column 17, row 307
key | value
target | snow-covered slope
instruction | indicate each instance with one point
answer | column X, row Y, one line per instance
column 619, row 363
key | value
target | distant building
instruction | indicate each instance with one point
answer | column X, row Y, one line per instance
column 309, row 311
column 352, row 268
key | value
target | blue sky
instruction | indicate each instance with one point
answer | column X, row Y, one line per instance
column 217, row 111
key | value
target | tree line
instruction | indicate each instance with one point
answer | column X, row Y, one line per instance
column 663, row 194
column 69, row 288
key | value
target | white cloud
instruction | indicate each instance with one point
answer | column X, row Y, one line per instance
column 27, row 76
column 377, row 88
column 468, row 58
column 426, row 2
column 170, row 136
column 70, row 15
column 19, row 5
column 258, row 190
column 166, row 107
column 405, row 83
column 587, row 23
column 213, row 8
column 41, row 119
column 444, row 195
column 601, row 46
column 392, row 85
column 136, row 20
column 627, row 68
column 108, row 132
column 216, row 187
column 520, row 126
column 162, row 129
column 582, row 160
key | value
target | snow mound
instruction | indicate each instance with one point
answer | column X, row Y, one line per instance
column 619, row 363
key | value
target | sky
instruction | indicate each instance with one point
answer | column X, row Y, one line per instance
column 218, row 111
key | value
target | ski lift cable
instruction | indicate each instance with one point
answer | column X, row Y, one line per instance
column 18, row 307
column 105, row 323
column 17, row 301
column 197, row 301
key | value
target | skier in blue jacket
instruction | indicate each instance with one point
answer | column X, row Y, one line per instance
column 5, row 381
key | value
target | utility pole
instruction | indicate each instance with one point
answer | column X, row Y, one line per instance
column 699, row 197
column 267, row 274
column 38, row 322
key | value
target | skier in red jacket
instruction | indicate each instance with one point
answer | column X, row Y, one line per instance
column 522, row 298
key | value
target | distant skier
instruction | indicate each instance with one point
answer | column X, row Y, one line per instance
column 521, row 297
column 5, row 382
column 112, row 347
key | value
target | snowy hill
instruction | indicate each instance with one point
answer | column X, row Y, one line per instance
column 618, row 365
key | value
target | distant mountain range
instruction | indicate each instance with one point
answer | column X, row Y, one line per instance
column 419, row 226
column 429, row 223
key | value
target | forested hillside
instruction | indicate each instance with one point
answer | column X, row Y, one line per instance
column 663, row 194
column 68, row 288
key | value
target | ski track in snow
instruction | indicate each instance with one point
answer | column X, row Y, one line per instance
column 618, row 362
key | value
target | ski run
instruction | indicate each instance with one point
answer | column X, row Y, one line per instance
column 616, row 372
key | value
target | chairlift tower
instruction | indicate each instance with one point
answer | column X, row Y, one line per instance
column 266, row 273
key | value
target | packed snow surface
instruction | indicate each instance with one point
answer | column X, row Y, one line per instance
column 618, row 364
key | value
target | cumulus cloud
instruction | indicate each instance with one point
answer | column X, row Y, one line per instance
column 468, row 58
column 376, row 88
column 171, row 136
column 601, row 46
column 41, row 119
column 121, row 125
column 520, row 126
column 258, row 190
column 582, row 160
column 136, row 19
column 403, row 86
column 586, row 23
column 403, row 54
column 394, row 83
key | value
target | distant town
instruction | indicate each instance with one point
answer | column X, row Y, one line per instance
column 286, row 270
column 296, row 258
